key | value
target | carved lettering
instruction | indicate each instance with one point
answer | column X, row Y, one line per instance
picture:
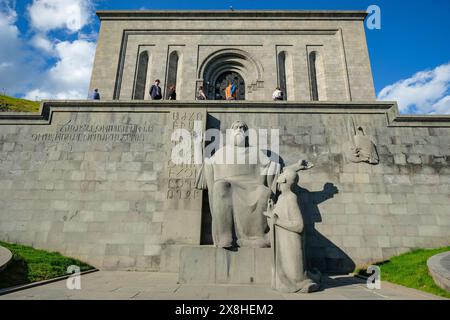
column 71, row 132
column 181, row 177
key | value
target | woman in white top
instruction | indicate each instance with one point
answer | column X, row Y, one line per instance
column 277, row 94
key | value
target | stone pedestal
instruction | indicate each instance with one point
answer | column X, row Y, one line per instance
column 208, row 264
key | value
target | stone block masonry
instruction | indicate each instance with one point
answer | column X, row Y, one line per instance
column 93, row 180
column 136, row 47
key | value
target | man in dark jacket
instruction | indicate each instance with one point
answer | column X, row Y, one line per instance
column 96, row 95
column 155, row 91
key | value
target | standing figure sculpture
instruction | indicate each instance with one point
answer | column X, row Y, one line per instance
column 289, row 272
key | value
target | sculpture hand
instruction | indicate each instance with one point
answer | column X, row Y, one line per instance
column 274, row 219
column 270, row 206
column 304, row 165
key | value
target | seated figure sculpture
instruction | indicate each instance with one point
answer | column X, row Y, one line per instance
column 238, row 192
column 289, row 273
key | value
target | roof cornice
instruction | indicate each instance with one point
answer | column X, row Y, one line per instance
column 231, row 15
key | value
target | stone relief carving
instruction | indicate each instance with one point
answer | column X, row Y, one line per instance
column 362, row 148
column 289, row 272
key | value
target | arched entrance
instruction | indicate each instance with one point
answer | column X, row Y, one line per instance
column 222, row 82
column 233, row 65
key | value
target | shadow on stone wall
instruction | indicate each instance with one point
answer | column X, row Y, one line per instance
column 206, row 231
column 321, row 253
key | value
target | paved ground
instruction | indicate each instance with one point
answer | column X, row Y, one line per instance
column 147, row 285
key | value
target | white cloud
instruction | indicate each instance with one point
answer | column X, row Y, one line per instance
column 443, row 105
column 73, row 15
column 24, row 60
column 9, row 34
column 425, row 92
column 75, row 64
column 69, row 77
column 17, row 67
column 38, row 94
column 41, row 42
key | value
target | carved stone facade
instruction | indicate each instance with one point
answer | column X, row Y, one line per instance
column 310, row 55
column 93, row 180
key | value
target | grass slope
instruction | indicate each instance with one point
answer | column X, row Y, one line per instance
column 31, row 265
column 410, row 270
column 17, row 105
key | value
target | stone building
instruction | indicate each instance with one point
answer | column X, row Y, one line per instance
column 94, row 179
column 310, row 55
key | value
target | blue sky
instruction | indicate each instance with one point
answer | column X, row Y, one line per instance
column 43, row 43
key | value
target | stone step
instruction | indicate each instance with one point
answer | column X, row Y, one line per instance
column 5, row 257
column 439, row 268
column 208, row 264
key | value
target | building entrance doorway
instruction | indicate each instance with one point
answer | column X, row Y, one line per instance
column 222, row 82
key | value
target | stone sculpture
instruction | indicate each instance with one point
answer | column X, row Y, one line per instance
column 238, row 192
column 289, row 272
column 362, row 149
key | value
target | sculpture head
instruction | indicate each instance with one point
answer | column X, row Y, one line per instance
column 360, row 131
column 287, row 179
column 239, row 133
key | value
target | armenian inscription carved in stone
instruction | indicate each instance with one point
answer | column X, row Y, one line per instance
column 181, row 177
column 181, row 182
column 182, row 202
column 111, row 132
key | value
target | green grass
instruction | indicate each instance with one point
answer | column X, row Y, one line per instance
column 410, row 270
column 11, row 104
column 31, row 265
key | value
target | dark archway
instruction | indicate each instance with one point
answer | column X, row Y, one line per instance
column 221, row 63
column 222, row 82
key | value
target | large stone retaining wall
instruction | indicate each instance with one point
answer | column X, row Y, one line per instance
column 94, row 180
